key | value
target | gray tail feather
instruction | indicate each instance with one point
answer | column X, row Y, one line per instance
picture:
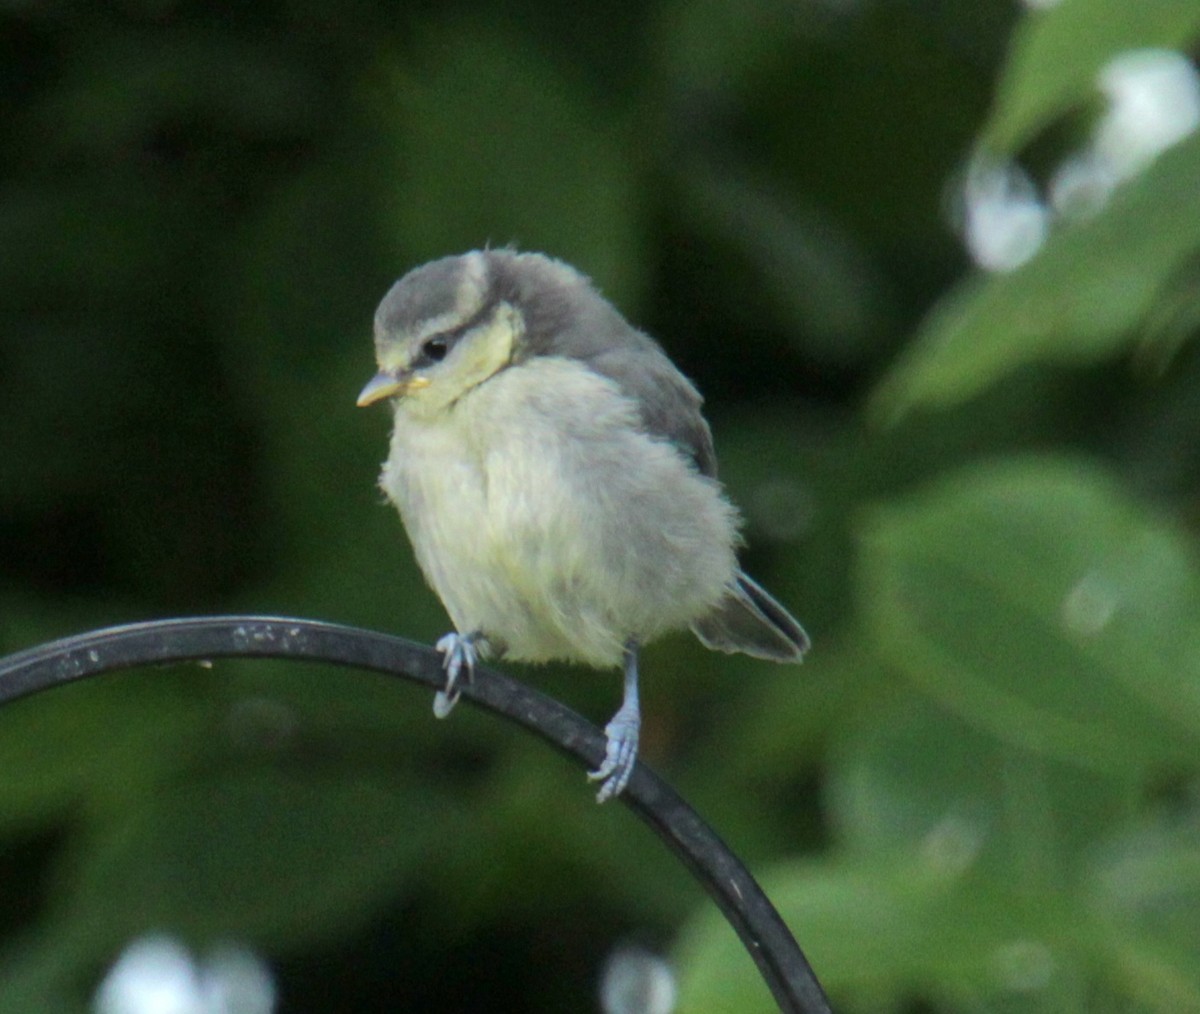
column 748, row 620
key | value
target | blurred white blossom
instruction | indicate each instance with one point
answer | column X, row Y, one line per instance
column 1004, row 222
column 158, row 975
column 634, row 981
column 1153, row 103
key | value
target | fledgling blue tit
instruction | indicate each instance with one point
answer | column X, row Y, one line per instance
column 557, row 481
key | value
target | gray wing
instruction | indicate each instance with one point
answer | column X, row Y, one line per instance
column 667, row 402
column 565, row 316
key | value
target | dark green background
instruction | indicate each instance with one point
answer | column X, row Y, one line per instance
column 978, row 492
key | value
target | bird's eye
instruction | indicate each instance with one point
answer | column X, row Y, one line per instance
column 435, row 348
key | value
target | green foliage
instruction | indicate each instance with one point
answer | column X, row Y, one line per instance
column 1091, row 656
column 1056, row 54
column 1096, row 282
column 1082, row 299
column 979, row 492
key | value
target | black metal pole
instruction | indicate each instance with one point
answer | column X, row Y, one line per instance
column 764, row 934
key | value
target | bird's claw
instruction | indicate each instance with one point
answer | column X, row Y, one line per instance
column 459, row 652
column 620, row 756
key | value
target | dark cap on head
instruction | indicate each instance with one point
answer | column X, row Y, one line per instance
column 446, row 291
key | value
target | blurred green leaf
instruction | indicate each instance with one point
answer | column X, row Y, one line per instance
column 970, row 868
column 1080, row 299
column 1056, row 53
column 912, row 779
column 1144, row 884
column 1036, row 599
column 876, row 933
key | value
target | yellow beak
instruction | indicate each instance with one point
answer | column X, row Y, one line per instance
column 389, row 385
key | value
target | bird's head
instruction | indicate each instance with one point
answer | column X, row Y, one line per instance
column 443, row 329
column 449, row 325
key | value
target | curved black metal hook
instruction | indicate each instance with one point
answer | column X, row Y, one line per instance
column 762, row 932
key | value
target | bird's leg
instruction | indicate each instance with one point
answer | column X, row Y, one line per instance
column 622, row 732
column 460, row 651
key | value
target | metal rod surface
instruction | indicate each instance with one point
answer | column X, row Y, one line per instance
column 760, row 928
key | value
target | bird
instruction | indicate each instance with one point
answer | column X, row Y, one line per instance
column 557, row 481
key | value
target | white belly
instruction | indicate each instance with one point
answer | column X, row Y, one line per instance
column 543, row 519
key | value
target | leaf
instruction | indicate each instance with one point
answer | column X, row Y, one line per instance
column 1056, row 54
column 876, row 931
column 912, row 779
column 1079, row 300
column 969, row 851
column 960, row 879
column 1145, row 896
column 1036, row 600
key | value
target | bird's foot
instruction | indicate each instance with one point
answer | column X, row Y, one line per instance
column 460, row 652
column 620, row 754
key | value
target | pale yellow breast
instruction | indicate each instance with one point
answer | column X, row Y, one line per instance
column 543, row 517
